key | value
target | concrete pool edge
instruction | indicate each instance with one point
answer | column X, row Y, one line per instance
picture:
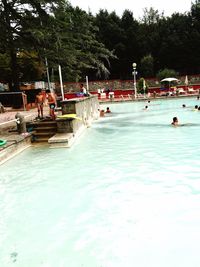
column 68, row 129
column 15, row 146
column 66, row 140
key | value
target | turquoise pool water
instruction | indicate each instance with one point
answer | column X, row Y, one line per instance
column 126, row 194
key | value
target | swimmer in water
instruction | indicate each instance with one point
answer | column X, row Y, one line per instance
column 175, row 121
column 108, row 110
column 145, row 108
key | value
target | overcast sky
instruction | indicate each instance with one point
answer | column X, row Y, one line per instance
column 136, row 6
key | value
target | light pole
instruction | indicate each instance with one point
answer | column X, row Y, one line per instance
column 134, row 78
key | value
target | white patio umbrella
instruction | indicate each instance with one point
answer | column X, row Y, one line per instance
column 186, row 80
column 169, row 80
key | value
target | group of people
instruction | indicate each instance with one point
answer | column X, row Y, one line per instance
column 50, row 97
column 102, row 111
column 197, row 108
column 146, row 107
column 40, row 99
column 175, row 121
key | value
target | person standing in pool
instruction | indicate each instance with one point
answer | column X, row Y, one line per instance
column 102, row 113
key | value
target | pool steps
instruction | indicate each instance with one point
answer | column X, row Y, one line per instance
column 43, row 130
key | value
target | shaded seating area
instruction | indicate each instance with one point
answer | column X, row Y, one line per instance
column 12, row 99
column 18, row 100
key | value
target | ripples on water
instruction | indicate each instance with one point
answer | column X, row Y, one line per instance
column 127, row 194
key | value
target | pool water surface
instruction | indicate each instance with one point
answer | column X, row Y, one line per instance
column 126, row 194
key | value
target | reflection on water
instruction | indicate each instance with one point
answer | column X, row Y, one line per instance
column 126, row 194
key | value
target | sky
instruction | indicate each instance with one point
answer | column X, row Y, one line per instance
column 136, row 6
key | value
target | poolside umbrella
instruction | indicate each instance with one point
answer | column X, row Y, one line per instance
column 169, row 80
column 186, row 81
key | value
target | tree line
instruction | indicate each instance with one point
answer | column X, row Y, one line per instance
column 39, row 35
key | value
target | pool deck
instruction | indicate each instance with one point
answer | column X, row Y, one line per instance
column 132, row 99
column 9, row 115
column 15, row 142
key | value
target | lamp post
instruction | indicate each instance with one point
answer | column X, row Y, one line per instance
column 134, row 78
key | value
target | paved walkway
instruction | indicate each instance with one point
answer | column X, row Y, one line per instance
column 9, row 115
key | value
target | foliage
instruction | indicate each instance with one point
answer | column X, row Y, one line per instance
column 142, row 86
column 54, row 32
column 146, row 66
column 166, row 73
column 19, row 22
column 151, row 16
column 4, row 67
column 74, row 45
column 101, row 46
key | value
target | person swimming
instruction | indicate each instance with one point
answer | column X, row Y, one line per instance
column 108, row 110
column 175, row 121
column 195, row 108
column 145, row 108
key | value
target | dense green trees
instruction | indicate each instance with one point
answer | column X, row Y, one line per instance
column 155, row 42
column 36, row 30
column 20, row 26
column 166, row 73
column 74, row 45
column 100, row 46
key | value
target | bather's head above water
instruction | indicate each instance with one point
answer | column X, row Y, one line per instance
column 174, row 121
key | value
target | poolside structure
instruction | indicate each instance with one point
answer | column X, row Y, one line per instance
column 77, row 114
column 59, row 133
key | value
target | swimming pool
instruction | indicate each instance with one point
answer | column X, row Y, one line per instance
column 126, row 194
